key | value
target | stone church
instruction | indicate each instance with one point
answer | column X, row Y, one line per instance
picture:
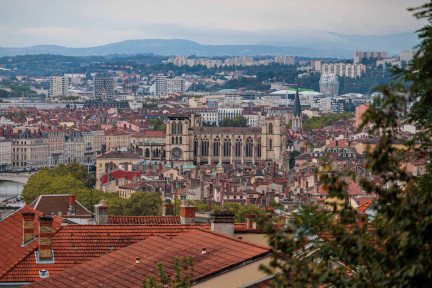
column 187, row 142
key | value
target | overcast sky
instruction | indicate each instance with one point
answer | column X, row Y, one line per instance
column 85, row 23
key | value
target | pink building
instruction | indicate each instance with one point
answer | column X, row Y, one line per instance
column 359, row 112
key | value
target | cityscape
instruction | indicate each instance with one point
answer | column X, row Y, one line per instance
column 168, row 163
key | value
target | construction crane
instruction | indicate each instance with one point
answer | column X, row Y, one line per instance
column 119, row 66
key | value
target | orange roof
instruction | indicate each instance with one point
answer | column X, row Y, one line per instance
column 75, row 244
column 144, row 220
column 119, row 269
column 362, row 208
column 11, row 251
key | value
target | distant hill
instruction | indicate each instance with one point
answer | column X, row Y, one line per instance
column 335, row 45
column 167, row 47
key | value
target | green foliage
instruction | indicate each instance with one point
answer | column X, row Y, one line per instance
column 392, row 247
column 293, row 154
column 182, row 278
column 158, row 124
column 16, row 90
column 74, row 179
column 238, row 121
column 325, row 120
column 144, row 203
column 244, row 83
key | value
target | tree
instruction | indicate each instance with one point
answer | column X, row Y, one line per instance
column 183, row 275
column 238, row 121
column 391, row 249
column 317, row 122
column 293, row 154
column 144, row 203
column 158, row 124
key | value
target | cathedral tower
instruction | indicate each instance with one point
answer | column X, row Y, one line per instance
column 297, row 120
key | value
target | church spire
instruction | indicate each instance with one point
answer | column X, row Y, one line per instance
column 297, row 107
column 297, row 120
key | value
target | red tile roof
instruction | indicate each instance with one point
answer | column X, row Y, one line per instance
column 11, row 251
column 76, row 244
column 144, row 220
column 119, row 269
column 362, row 208
column 58, row 203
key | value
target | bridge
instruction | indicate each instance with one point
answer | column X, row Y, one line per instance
column 21, row 177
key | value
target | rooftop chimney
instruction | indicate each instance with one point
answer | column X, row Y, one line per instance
column 222, row 222
column 204, row 251
column 45, row 237
column 28, row 227
column 101, row 213
column 187, row 214
column 167, row 209
column 71, row 210
column 137, row 260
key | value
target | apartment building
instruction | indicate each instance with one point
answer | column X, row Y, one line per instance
column 116, row 140
column 56, row 147
column 29, row 152
column 58, row 86
column 343, row 69
column 104, row 88
column 168, row 85
column 407, row 55
column 5, row 154
column 231, row 111
column 360, row 55
column 284, row 60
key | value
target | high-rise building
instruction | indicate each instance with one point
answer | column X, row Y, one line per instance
column 407, row 55
column 359, row 55
column 343, row 69
column 58, row 86
column 104, row 88
column 329, row 85
column 168, row 85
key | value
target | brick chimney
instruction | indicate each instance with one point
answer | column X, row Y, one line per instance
column 45, row 237
column 71, row 210
column 167, row 209
column 187, row 214
column 251, row 220
column 101, row 213
column 28, row 227
column 222, row 222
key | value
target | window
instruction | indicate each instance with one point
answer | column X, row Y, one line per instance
column 249, row 147
column 195, row 151
column 176, row 140
column 205, row 147
column 227, row 147
column 147, row 153
column 216, row 146
column 173, row 128
column 238, row 147
column 270, row 144
column 179, row 128
column 172, row 140
column 259, row 148
column 270, row 128
column 181, row 140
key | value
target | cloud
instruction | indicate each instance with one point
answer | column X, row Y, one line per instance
column 88, row 23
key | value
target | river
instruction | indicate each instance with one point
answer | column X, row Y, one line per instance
column 10, row 189
column 13, row 102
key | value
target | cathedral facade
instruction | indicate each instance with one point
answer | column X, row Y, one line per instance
column 187, row 142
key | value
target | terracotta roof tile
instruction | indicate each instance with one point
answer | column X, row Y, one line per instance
column 144, row 220
column 119, row 269
column 11, row 251
column 362, row 208
column 76, row 244
column 58, row 203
